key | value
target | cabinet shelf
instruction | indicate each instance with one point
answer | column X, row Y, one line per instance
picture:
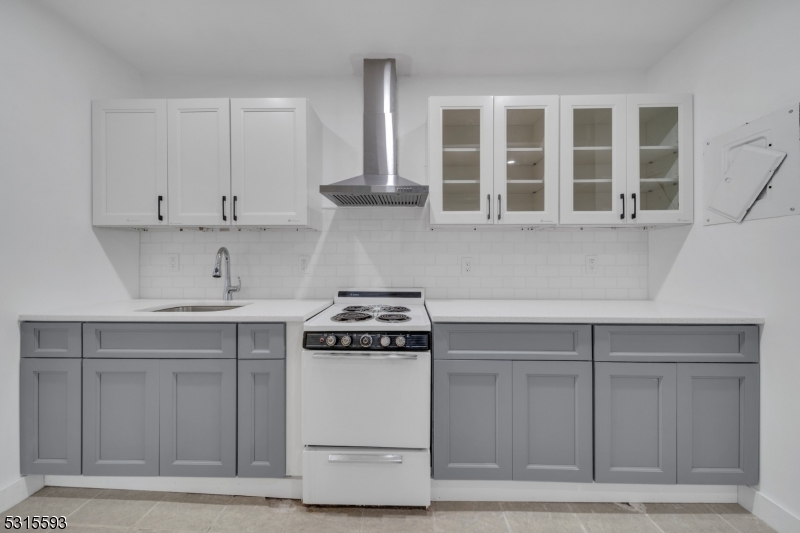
column 461, row 148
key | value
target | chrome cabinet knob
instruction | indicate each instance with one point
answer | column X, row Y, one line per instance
column 330, row 340
column 385, row 341
column 366, row 340
column 346, row 340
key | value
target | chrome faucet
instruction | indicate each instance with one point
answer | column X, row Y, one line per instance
column 228, row 288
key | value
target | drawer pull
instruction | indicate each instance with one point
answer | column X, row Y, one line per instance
column 357, row 355
column 365, row 458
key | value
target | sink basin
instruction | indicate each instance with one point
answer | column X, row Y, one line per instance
column 197, row 308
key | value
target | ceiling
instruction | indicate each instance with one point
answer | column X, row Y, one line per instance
column 299, row 38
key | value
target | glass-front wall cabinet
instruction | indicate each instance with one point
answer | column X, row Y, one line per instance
column 593, row 159
column 526, row 160
column 460, row 159
column 660, row 158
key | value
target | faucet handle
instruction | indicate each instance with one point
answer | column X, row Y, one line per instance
column 238, row 286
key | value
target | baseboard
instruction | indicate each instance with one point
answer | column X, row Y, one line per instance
column 770, row 512
column 533, row 491
column 19, row 490
column 269, row 488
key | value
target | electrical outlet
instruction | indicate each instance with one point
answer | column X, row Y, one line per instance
column 466, row 266
column 591, row 265
column 174, row 264
column 303, row 263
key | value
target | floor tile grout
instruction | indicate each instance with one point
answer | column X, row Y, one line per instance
column 580, row 522
column 505, row 519
column 653, row 522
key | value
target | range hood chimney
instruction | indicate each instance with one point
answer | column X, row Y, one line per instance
column 379, row 185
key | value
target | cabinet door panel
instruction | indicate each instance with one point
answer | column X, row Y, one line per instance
column 50, row 339
column 199, row 162
column 552, row 420
column 50, row 416
column 635, row 422
column 718, row 406
column 460, row 160
column 262, row 418
column 269, row 165
column 472, row 420
column 593, row 161
column 526, row 159
column 660, row 158
column 198, row 418
column 121, row 419
column 261, row 341
column 129, row 162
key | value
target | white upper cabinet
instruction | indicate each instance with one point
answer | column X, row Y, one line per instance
column 272, row 178
column 129, row 162
column 660, row 159
column 460, row 166
column 525, row 160
column 593, row 163
column 199, row 162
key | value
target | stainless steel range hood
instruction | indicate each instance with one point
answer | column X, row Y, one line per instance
column 379, row 185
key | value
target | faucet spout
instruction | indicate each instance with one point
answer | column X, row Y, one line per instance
column 223, row 253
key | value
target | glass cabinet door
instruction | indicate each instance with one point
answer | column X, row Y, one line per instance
column 460, row 159
column 526, row 160
column 660, row 158
column 593, row 160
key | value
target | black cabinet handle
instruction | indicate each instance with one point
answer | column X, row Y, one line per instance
column 633, row 216
column 223, row 209
column 234, row 209
column 160, row 199
column 622, row 197
column 488, row 207
column 499, row 207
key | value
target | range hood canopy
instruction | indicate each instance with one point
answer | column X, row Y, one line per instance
column 379, row 185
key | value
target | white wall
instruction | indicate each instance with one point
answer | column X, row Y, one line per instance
column 740, row 66
column 51, row 255
column 393, row 247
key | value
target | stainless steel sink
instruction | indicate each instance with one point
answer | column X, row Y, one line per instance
column 197, row 308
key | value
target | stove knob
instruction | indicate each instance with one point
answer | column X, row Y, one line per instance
column 400, row 341
column 330, row 340
column 366, row 341
column 346, row 340
column 385, row 341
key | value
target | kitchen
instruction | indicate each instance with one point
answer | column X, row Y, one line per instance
column 492, row 278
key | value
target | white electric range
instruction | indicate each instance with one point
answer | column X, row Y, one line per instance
column 366, row 385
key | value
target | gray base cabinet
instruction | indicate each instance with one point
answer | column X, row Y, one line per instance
column 472, row 420
column 198, row 418
column 50, row 416
column 120, row 417
column 718, row 406
column 552, row 420
column 262, row 418
column 635, row 422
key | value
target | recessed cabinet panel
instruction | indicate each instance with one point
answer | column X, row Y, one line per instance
column 513, row 341
column 50, row 416
column 472, row 420
column 635, row 424
column 718, row 406
column 552, row 420
column 199, row 162
column 158, row 341
column 269, row 165
column 50, row 339
column 261, row 341
column 262, row 418
column 121, row 417
column 198, row 418
column 129, row 162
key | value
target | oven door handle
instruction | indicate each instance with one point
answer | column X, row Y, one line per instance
column 365, row 458
column 358, row 355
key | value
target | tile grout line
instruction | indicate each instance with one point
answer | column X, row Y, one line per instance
column 654, row 523
column 726, row 521
column 580, row 522
column 216, row 518
column 505, row 519
column 148, row 511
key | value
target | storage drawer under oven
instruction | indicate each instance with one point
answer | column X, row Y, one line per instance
column 366, row 476
column 374, row 399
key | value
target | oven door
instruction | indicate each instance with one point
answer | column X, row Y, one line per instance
column 366, row 399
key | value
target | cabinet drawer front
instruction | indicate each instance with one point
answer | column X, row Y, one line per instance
column 159, row 341
column 50, row 416
column 50, row 339
column 697, row 344
column 262, row 341
column 718, row 424
column 531, row 342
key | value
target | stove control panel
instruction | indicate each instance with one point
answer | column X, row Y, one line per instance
column 355, row 341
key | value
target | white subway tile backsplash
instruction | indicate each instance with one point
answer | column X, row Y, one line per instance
column 395, row 247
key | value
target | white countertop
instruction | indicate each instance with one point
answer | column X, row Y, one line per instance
column 582, row 312
column 137, row 311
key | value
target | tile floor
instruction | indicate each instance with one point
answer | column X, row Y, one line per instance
column 98, row 511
